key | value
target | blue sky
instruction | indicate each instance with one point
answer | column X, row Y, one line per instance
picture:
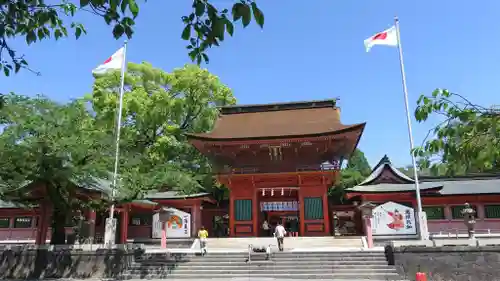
column 308, row 50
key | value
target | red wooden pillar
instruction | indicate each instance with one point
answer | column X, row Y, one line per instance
column 302, row 213
column 231, row 214
column 326, row 215
column 255, row 214
column 196, row 213
column 124, row 224
column 91, row 218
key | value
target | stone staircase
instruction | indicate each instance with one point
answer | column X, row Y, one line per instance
column 295, row 243
column 348, row 265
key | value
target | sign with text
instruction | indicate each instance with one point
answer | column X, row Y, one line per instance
column 279, row 206
column 178, row 224
column 393, row 219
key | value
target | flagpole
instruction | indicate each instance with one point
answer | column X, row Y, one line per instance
column 117, row 143
column 422, row 221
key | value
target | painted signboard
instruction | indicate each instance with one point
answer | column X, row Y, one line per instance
column 393, row 219
column 178, row 224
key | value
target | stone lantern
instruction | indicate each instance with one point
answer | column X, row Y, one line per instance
column 366, row 209
column 469, row 219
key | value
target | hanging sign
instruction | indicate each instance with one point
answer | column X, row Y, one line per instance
column 279, row 206
column 393, row 219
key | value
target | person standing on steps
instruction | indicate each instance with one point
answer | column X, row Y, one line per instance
column 280, row 233
column 266, row 228
column 203, row 235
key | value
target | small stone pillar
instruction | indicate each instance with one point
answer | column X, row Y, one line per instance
column 367, row 213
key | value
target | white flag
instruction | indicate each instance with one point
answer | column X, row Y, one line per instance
column 112, row 63
column 387, row 37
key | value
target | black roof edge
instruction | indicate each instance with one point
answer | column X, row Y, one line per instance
column 475, row 176
column 436, row 188
column 253, row 108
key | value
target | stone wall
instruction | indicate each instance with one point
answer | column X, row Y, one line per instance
column 24, row 263
column 447, row 263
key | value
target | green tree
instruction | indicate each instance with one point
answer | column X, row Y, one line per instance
column 159, row 108
column 37, row 20
column 356, row 170
column 63, row 148
column 467, row 139
column 52, row 145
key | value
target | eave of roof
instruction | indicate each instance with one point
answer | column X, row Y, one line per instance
column 394, row 188
column 174, row 195
column 206, row 137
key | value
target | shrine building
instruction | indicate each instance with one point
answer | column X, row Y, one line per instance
column 443, row 198
column 278, row 161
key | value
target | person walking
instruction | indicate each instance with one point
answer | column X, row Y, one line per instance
column 203, row 235
column 280, row 233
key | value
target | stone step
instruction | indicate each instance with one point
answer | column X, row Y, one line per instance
column 285, row 275
column 301, row 253
column 255, row 269
column 269, row 266
column 272, row 262
column 298, row 259
column 262, row 262
column 248, row 278
column 324, row 260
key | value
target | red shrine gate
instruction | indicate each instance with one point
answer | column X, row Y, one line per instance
column 270, row 155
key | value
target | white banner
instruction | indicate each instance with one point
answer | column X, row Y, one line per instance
column 178, row 225
column 393, row 219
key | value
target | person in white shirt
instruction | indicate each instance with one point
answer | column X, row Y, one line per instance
column 266, row 227
column 280, row 233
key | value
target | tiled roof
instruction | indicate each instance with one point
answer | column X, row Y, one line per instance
column 463, row 185
column 174, row 195
column 278, row 120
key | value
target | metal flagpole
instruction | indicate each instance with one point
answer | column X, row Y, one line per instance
column 112, row 229
column 422, row 220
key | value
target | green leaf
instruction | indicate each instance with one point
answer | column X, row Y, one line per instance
column 199, row 8
column 133, row 8
column 205, row 58
column 258, row 15
column 6, row 71
column 237, row 11
column 246, row 15
column 229, row 26
column 186, row 33
column 84, row 3
column 78, row 32
column 30, row 37
column 218, row 28
column 124, row 5
column 58, row 34
column 118, row 31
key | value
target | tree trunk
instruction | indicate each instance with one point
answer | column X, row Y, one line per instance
column 58, row 227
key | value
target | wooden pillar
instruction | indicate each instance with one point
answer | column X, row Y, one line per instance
column 302, row 213
column 196, row 212
column 91, row 221
column 231, row 214
column 124, row 225
column 326, row 215
column 255, row 214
